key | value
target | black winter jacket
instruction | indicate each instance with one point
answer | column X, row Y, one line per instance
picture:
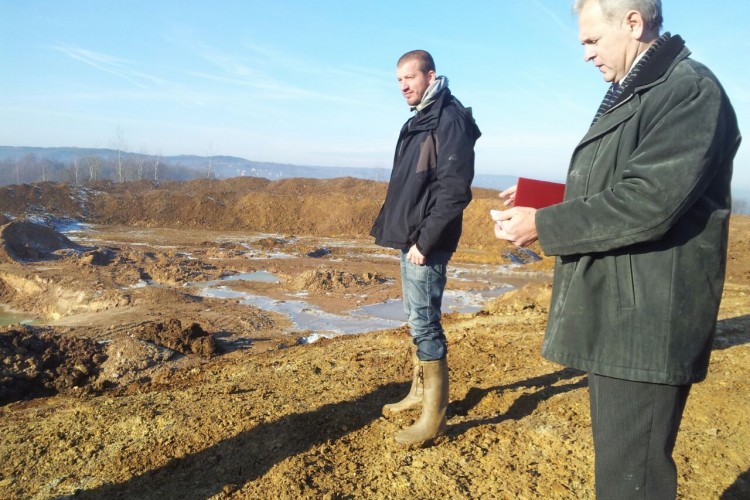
column 430, row 182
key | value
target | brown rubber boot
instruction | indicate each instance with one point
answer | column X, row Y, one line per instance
column 432, row 423
column 414, row 398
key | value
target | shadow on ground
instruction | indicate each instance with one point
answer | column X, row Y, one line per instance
column 524, row 405
column 247, row 456
column 740, row 489
column 731, row 332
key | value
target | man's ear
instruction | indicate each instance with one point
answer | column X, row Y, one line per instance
column 432, row 75
column 634, row 24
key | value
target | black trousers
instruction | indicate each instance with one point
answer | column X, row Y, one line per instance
column 635, row 427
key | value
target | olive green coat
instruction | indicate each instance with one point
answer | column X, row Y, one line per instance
column 641, row 236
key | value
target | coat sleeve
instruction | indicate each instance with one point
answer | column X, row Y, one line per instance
column 451, row 191
column 679, row 148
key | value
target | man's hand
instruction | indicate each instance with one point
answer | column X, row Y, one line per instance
column 517, row 225
column 509, row 195
column 415, row 256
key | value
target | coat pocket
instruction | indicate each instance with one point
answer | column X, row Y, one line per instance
column 625, row 286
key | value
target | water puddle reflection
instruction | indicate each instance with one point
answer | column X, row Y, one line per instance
column 307, row 317
column 11, row 318
column 258, row 276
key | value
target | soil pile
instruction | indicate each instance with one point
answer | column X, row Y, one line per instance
column 292, row 206
column 27, row 241
column 45, row 199
column 130, row 362
column 190, row 340
column 36, row 363
column 341, row 208
column 330, row 280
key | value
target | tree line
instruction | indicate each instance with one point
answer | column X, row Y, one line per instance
column 118, row 167
column 30, row 168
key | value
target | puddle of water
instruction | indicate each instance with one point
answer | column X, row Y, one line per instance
column 392, row 309
column 70, row 226
column 258, row 276
column 263, row 255
column 389, row 314
column 305, row 316
column 453, row 301
column 142, row 284
column 11, row 318
column 492, row 280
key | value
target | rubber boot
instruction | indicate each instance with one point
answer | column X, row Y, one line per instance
column 432, row 422
column 414, row 398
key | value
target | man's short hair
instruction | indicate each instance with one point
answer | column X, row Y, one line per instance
column 426, row 63
column 612, row 9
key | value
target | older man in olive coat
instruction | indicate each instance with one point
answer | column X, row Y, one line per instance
column 640, row 240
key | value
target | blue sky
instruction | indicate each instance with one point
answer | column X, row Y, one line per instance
column 313, row 82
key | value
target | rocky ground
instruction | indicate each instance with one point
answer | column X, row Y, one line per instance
column 131, row 383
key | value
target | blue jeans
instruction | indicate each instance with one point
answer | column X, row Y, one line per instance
column 422, row 288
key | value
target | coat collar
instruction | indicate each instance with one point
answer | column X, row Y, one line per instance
column 658, row 68
column 428, row 118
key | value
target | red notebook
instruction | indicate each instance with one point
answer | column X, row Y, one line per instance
column 538, row 194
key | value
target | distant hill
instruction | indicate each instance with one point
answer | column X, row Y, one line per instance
column 33, row 164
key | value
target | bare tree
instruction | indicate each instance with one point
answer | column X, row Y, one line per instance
column 94, row 163
column 120, row 145
column 157, row 158
column 75, row 168
column 140, row 162
column 210, row 160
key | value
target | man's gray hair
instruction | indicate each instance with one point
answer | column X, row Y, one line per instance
column 650, row 10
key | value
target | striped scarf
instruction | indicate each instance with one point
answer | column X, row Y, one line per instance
column 431, row 93
column 616, row 91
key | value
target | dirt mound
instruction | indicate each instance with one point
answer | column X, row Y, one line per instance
column 271, row 243
column 6, row 291
column 129, row 360
column 45, row 199
column 27, row 241
column 36, row 362
column 169, row 267
column 97, row 257
column 340, row 207
column 190, row 340
column 330, row 280
column 40, row 363
column 530, row 300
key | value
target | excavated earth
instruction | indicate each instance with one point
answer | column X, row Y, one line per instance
column 131, row 381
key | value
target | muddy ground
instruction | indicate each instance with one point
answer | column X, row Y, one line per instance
column 131, row 383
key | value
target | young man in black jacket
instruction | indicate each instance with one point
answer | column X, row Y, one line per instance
column 429, row 188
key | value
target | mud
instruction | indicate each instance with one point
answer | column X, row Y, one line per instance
column 27, row 241
column 38, row 363
column 131, row 384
